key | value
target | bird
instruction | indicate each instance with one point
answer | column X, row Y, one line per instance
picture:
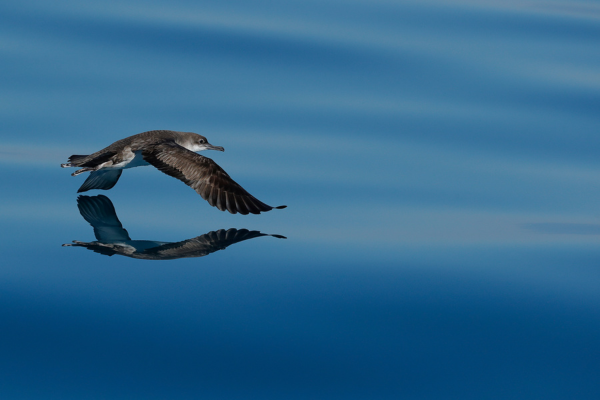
column 112, row 238
column 173, row 153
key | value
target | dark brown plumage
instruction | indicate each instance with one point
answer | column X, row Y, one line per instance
column 174, row 154
column 204, row 176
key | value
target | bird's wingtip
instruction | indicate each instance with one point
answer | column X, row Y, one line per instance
column 279, row 236
column 280, row 207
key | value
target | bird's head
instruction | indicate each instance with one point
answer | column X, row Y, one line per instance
column 194, row 142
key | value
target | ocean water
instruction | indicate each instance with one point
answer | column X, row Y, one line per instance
column 439, row 160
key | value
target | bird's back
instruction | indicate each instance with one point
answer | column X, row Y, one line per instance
column 134, row 142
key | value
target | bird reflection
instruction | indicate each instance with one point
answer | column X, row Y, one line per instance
column 112, row 239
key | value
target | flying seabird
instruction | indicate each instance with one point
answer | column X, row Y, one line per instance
column 112, row 238
column 174, row 154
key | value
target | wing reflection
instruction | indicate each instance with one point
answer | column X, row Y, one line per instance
column 112, row 238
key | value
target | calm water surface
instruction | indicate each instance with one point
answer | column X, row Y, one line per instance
column 439, row 160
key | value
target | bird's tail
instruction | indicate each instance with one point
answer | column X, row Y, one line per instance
column 74, row 161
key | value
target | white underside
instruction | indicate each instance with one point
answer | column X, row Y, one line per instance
column 135, row 161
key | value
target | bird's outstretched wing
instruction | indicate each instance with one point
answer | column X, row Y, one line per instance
column 204, row 176
column 201, row 245
column 103, row 179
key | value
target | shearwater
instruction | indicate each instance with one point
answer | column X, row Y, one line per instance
column 173, row 153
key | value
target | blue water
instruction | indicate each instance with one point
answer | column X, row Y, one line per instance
column 439, row 160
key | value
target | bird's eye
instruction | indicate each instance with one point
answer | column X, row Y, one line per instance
column 202, row 141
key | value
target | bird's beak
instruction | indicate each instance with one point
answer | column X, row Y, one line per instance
column 211, row 147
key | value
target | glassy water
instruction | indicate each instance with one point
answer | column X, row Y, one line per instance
column 439, row 163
